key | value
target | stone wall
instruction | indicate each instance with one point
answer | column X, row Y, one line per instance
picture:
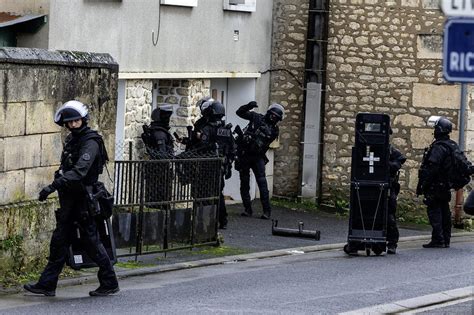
column 182, row 94
column 33, row 84
column 384, row 56
column 290, row 23
column 138, row 103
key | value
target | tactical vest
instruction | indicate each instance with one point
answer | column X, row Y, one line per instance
column 71, row 154
column 258, row 136
column 153, row 144
column 225, row 140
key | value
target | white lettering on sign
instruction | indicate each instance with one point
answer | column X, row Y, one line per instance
column 461, row 61
column 458, row 7
column 371, row 159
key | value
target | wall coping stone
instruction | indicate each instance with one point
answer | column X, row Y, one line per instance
column 38, row 56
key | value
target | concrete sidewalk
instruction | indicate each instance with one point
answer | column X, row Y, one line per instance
column 249, row 238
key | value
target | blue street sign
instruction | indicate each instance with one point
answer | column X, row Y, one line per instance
column 458, row 52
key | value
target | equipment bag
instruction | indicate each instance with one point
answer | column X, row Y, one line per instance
column 459, row 172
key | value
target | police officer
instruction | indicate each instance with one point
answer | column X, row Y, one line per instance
column 157, row 138
column 433, row 183
column 257, row 136
column 396, row 160
column 82, row 160
column 192, row 141
column 215, row 137
column 160, row 145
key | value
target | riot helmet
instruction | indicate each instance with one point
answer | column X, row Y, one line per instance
column 206, row 107
column 203, row 100
column 275, row 113
column 162, row 113
column 442, row 126
column 71, row 110
column 217, row 110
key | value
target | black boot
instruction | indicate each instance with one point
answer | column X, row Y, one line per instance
column 100, row 291
column 434, row 245
column 39, row 289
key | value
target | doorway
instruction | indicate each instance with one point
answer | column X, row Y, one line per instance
column 233, row 93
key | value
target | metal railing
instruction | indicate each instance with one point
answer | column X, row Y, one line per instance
column 166, row 204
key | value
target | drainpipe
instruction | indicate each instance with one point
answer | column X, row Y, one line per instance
column 314, row 97
column 462, row 126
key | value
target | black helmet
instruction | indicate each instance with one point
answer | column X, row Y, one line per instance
column 218, row 110
column 277, row 110
column 442, row 125
column 71, row 110
column 162, row 113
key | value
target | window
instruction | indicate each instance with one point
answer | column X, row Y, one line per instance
column 183, row 3
column 240, row 5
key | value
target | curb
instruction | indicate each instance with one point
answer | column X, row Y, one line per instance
column 235, row 258
column 412, row 304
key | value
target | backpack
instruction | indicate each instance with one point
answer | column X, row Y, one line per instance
column 458, row 171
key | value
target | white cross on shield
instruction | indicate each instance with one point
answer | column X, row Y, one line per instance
column 371, row 159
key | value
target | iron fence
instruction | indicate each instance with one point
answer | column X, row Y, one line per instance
column 165, row 204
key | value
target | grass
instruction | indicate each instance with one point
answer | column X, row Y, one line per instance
column 219, row 251
column 132, row 264
column 13, row 279
column 295, row 205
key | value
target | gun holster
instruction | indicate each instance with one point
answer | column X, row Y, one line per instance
column 93, row 201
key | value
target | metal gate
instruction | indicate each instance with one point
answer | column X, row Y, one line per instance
column 167, row 204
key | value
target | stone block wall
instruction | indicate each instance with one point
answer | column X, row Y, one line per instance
column 182, row 94
column 384, row 56
column 290, row 25
column 34, row 83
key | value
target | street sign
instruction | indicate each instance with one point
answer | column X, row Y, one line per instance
column 458, row 52
column 458, row 7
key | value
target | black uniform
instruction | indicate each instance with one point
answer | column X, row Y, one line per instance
column 433, row 184
column 396, row 161
column 257, row 137
column 82, row 161
column 215, row 137
column 159, row 142
column 159, row 145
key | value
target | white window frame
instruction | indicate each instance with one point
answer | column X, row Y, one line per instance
column 249, row 6
column 182, row 3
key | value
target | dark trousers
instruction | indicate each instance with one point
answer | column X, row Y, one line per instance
column 258, row 167
column 61, row 240
column 392, row 228
column 439, row 215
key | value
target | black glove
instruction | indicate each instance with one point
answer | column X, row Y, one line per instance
column 252, row 104
column 45, row 192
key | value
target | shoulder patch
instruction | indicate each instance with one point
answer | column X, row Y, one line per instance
column 86, row 157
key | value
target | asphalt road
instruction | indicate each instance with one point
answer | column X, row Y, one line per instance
column 320, row 282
